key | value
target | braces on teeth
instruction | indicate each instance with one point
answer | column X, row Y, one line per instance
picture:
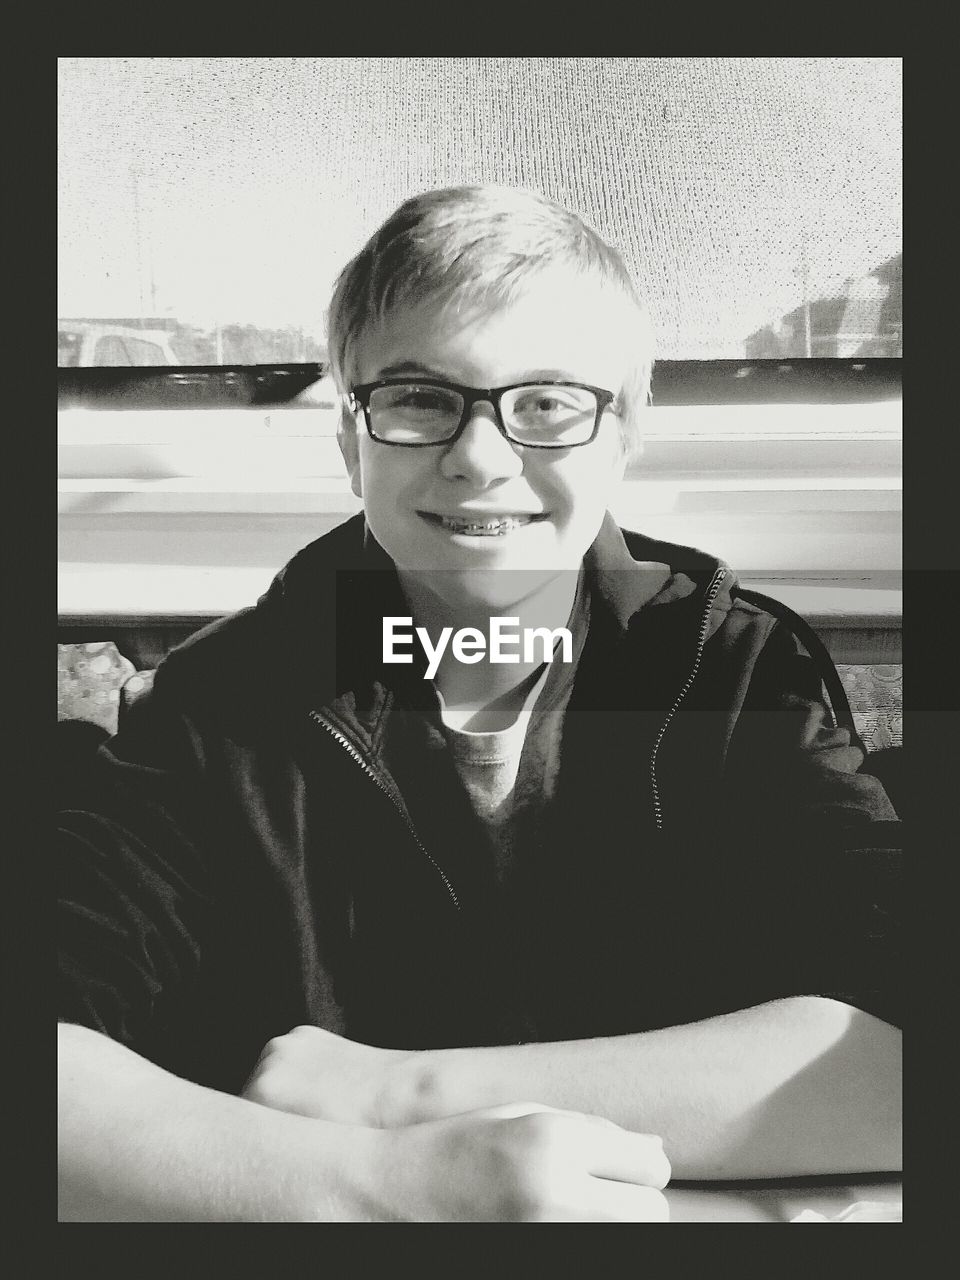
column 491, row 526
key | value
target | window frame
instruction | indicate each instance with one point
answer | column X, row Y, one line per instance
column 781, row 458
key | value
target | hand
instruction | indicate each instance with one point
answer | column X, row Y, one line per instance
column 520, row 1163
column 315, row 1073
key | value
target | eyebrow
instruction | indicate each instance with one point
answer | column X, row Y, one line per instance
column 410, row 366
column 426, row 371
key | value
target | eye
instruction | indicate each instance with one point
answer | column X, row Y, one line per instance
column 552, row 404
column 416, row 399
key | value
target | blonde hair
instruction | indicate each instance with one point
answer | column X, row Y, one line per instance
column 479, row 245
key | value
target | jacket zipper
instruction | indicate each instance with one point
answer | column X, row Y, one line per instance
column 701, row 641
column 355, row 755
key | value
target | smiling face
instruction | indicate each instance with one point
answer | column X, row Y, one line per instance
column 481, row 505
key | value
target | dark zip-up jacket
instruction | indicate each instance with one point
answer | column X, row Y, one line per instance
column 265, row 843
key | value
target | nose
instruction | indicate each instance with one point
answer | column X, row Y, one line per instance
column 481, row 453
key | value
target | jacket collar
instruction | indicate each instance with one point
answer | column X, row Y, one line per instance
column 630, row 572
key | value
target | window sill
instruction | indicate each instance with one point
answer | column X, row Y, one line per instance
column 857, row 616
column 189, row 514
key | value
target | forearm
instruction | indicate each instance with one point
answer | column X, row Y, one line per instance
column 138, row 1144
column 800, row 1086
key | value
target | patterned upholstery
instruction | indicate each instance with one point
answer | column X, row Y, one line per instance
column 133, row 688
column 89, row 679
column 875, row 692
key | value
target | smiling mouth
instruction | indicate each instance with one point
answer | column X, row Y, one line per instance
column 495, row 527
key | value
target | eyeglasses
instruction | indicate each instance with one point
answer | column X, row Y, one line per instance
column 538, row 415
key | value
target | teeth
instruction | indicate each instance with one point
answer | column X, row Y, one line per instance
column 487, row 527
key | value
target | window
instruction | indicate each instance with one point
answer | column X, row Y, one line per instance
column 129, row 351
column 68, row 349
column 206, row 205
column 111, row 351
column 757, row 200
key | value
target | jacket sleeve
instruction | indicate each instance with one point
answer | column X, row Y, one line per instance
column 824, row 839
column 132, row 869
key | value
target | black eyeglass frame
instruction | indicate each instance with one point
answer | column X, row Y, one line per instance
column 360, row 399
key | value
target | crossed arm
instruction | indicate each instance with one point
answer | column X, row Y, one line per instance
column 138, row 1144
column 799, row 1086
column 348, row 1132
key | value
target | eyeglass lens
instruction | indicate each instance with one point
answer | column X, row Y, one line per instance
column 412, row 413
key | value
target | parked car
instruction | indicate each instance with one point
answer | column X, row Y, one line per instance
column 82, row 344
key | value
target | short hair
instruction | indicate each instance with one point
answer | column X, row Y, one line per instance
column 479, row 245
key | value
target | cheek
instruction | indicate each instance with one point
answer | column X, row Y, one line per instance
column 586, row 486
column 392, row 486
column 383, row 476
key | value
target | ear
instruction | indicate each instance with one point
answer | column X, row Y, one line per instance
column 350, row 448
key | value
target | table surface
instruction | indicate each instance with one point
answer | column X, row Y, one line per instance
column 778, row 1201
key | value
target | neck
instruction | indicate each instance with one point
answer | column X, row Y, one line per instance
column 477, row 691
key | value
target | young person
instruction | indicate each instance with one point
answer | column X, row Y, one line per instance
column 498, row 859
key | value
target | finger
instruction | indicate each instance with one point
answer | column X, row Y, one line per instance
column 622, row 1155
column 252, row 1080
column 510, row 1110
column 606, row 1150
column 600, row 1200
